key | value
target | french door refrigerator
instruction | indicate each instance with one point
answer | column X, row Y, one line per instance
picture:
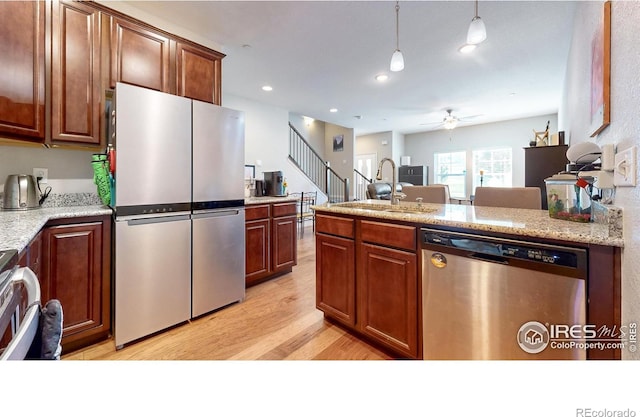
column 152, row 212
column 218, row 266
column 179, row 210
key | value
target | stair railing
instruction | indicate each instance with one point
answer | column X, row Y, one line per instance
column 360, row 187
column 303, row 156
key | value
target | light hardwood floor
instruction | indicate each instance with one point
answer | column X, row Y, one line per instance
column 277, row 320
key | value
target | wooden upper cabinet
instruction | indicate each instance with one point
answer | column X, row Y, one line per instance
column 199, row 73
column 22, row 62
column 75, row 74
column 139, row 56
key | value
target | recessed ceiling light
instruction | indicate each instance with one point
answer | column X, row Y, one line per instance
column 334, row 110
column 267, row 88
column 465, row 49
column 382, row 77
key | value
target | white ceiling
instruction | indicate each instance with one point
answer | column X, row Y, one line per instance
column 319, row 55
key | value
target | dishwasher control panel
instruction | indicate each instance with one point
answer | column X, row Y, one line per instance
column 507, row 248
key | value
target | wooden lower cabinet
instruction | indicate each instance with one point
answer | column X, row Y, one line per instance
column 284, row 243
column 76, row 271
column 258, row 250
column 336, row 278
column 388, row 297
column 270, row 240
column 367, row 279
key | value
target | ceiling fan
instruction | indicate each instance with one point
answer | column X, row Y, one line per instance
column 450, row 121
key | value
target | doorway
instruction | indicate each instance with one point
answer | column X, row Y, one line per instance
column 366, row 164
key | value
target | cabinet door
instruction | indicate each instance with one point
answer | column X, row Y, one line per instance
column 34, row 257
column 199, row 73
column 75, row 73
column 22, row 56
column 72, row 273
column 140, row 56
column 258, row 250
column 336, row 278
column 388, row 297
column 284, row 243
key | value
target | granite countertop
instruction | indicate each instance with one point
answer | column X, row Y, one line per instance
column 18, row 228
column 519, row 222
column 268, row 199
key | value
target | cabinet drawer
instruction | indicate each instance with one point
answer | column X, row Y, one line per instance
column 338, row 226
column 394, row 235
column 284, row 209
column 256, row 212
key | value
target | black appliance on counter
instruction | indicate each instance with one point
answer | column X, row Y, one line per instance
column 260, row 189
column 274, row 184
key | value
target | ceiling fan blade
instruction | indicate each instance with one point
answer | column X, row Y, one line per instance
column 475, row 116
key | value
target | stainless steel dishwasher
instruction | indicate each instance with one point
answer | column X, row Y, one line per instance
column 492, row 298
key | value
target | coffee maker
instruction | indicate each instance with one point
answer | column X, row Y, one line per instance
column 259, row 189
column 274, row 183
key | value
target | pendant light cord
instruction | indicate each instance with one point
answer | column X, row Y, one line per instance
column 476, row 8
column 397, row 26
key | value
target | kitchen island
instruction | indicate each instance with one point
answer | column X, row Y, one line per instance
column 368, row 262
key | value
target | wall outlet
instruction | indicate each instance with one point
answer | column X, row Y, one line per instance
column 625, row 168
column 42, row 173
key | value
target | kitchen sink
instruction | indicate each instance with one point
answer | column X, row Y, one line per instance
column 405, row 208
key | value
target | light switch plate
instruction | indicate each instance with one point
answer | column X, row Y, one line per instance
column 625, row 168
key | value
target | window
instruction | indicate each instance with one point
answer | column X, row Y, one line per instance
column 450, row 168
column 492, row 168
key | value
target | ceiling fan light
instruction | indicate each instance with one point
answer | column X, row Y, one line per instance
column 467, row 48
column 450, row 124
column 397, row 61
column 477, row 31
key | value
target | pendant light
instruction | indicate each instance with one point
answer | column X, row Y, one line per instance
column 397, row 60
column 477, row 31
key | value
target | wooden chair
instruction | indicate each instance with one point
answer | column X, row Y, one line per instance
column 436, row 193
column 511, row 197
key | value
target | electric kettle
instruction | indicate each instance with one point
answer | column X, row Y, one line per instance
column 20, row 193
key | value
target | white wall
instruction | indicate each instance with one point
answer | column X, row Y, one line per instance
column 379, row 144
column 624, row 130
column 515, row 134
column 341, row 162
column 267, row 142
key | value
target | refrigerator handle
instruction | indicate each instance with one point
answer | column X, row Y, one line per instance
column 217, row 213
column 154, row 220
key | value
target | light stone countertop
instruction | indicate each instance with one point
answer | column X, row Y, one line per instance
column 518, row 222
column 17, row 228
column 268, row 199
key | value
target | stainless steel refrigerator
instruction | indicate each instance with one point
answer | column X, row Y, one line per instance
column 177, row 214
column 218, row 207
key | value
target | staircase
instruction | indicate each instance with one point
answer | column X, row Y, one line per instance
column 302, row 155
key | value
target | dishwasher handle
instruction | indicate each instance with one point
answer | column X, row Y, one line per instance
column 489, row 258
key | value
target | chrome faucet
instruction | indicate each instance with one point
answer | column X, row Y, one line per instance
column 395, row 196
